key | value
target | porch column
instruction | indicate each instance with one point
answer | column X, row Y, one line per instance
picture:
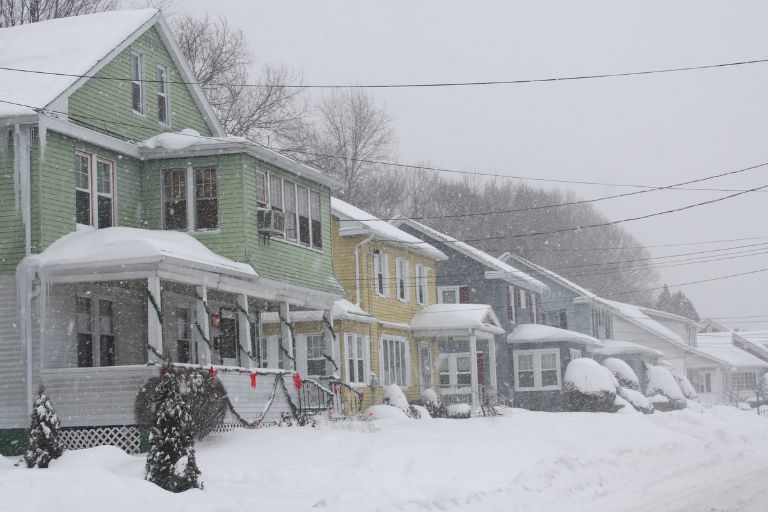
column 492, row 363
column 154, row 325
column 473, row 370
column 244, row 326
column 285, row 333
column 201, row 317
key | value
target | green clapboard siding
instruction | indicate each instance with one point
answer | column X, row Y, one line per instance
column 107, row 104
column 11, row 225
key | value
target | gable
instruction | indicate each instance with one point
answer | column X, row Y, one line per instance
column 106, row 104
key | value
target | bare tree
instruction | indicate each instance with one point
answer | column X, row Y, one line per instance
column 270, row 113
column 351, row 133
column 19, row 12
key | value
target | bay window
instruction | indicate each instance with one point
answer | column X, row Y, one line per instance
column 537, row 370
column 175, row 199
column 94, row 320
column 261, row 190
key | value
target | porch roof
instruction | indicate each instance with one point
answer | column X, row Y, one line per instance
column 536, row 333
column 445, row 317
column 94, row 249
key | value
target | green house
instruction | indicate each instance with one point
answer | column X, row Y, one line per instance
column 132, row 228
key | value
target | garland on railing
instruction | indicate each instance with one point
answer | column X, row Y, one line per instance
column 294, row 409
column 155, row 353
column 208, row 342
column 329, row 328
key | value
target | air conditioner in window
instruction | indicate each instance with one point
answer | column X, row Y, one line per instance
column 270, row 222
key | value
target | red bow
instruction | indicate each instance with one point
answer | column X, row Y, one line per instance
column 253, row 380
column 297, row 380
column 213, row 372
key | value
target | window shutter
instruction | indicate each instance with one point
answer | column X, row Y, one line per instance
column 463, row 294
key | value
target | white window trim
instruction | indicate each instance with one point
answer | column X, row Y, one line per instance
column 268, row 206
column 166, row 94
column 383, row 259
column 141, row 82
column 511, row 299
column 522, row 298
column 453, row 370
column 303, row 352
column 96, row 327
column 422, row 284
column 402, row 274
column 407, row 348
column 350, row 339
column 94, row 188
column 537, row 353
column 441, row 289
column 191, row 199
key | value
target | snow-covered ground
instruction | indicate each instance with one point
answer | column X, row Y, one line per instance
column 672, row 462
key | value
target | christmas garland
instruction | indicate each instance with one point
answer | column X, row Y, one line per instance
column 159, row 314
column 208, row 342
column 293, row 337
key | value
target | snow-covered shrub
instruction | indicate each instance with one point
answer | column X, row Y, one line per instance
column 621, row 406
column 205, row 396
column 420, row 412
column 459, row 411
column 637, row 399
column 589, row 387
column 429, row 395
column 432, row 403
column 44, row 441
column 171, row 460
column 384, row 412
column 685, row 386
column 663, row 391
column 623, row 373
column 395, row 397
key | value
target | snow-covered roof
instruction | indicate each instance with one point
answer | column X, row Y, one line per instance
column 541, row 271
column 190, row 143
column 720, row 345
column 310, row 315
column 354, row 221
column 536, row 333
column 89, row 248
column 346, row 310
column 618, row 347
column 669, row 316
column 72, row 46
column 496, row 269
column 759, row 337
column 442, row 317
column 635, row 315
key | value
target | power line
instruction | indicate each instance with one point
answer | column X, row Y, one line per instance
column 405, row 85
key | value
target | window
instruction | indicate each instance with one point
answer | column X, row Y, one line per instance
column 106, row 334
column 261, row 189
column 401, row 278
column 381, row 273
column 175, row 199
column 183, row 335
column 290, row 210
column 316, row 216
column 356, row 351
column 304, row 226
column 163, row 102
column 563, row 319
column 534, row 308
column 204, row 195
column 701, row 380
column 445, row 370
column 84, row 323
column 574, row 353
column 744, row 381
column 137, row 81
column 422, row 283
column 511, row 308
column 463, row 294
column 463, row 370
column 523, row 299
column 276, row 192
column 537, row 369
column 94, row 319
column 226, row 342
column 259, row 347
column 94, row 174
column 453, row 294
column 595, row 324
column 608, row 322
column 206, row 198
column 315, row 355
column 394, row 362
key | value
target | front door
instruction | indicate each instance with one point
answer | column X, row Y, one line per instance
column 456, row 377
column 229, row 338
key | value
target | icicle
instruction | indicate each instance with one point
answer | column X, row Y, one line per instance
column 42, row 135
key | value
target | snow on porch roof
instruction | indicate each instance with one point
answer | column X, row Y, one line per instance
column 353, row 220
column 124, row 246
column 444, row 317
column 618, row 347
column 72, row 46
column 536, row 333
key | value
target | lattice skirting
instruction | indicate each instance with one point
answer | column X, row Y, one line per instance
column 127, row 438
column 227, row 427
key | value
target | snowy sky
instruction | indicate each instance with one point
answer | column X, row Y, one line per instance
column 653, row 130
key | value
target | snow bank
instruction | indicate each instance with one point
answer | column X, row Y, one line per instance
column 623, row 373
column 587, row 376
column 384, row 412
column 637, row 399
column 623, row 407
column 661, row 382
column 395, row 397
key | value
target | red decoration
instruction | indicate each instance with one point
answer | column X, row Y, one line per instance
column 297, row 380
column 335, row 388
column 215, row 320
column 213, row 372
column 253, row 380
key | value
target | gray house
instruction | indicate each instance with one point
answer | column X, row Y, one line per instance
column 471, row 276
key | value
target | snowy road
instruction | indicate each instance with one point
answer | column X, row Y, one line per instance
column 715, row 461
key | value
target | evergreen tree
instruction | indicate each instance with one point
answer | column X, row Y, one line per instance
column 171, row 459
column 677, row 303
column 44, row 441
column 664, row 302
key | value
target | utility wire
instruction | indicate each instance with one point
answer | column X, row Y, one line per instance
column 406, row 85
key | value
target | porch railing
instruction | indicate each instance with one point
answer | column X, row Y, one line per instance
column 336, row 398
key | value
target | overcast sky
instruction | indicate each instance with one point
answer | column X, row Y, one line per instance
column 653, row 130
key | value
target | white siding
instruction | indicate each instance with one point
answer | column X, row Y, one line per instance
column 13, row 384
column 624, row 330
column 249, row 402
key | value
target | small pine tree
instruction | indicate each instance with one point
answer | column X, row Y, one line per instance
column 44, row 440
column 171, row 460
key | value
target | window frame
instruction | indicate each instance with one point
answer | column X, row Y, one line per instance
column 96, row 334
column 405, row 351
column 402, row 277
column 93, row 192
column 452, row 288
column 352, row 345
column 138, row 81
column 381, row 276
column 537, row 369
column 511, row 304
column 191, row 198
column 165, row 94
column 422, row 284
column 306, row 359
column 736, row 379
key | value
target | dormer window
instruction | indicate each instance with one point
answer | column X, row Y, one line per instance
column 137, row 81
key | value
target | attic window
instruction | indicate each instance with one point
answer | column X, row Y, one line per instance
column 137, row 81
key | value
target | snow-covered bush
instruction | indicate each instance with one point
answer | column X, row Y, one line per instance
column 459, row 411
column 430, row 401
column 384, row 412
column 205, row 396
column 621, row 406
column 663, row 391
column 589, row 387
column 420, row 412
column 395, row 397
column 429, row 395
column 44, row 441
column 637, row 399
column 623, row 373
column 685, row 386
column 171, row 460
